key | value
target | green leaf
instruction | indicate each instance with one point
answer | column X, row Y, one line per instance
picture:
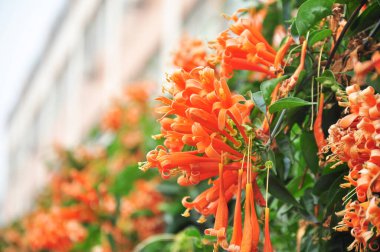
column 311, row 12
column 369, row 16
column 294, row 185
column 93, row 238
column 325, row 182
column 294, row 32
column 123, row 183
column 319, row 35
column 288, row 103
column 285, row 146
column 142, row 213
column 309, row 151
column 258, row 99
column 268, row 86
column 278, row 190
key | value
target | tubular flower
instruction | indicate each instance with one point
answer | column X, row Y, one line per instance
column 80, row 188
column 354, row 219
column 361, row 69
column 202, row 113
column 128, row 109
column 290, row 83
column 113, row 118
column 237, row 230
column 267, row 242
column 221, row 218
column 191, row 53
column 243, row 47
column 318, row 131
column 354, row 139
column 144, row 198
column 55, row 230
column 251, row 230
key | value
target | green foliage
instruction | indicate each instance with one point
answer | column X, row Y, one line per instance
column 288, row 103
column 131, row 173
column 259, row 101
column 309, row 151
column 318, row 35
column 310, row 13
column 278, row 190
column 268, row 86
column 369, row 17
column 93, row 238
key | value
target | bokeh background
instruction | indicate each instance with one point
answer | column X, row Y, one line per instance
column 62, row 62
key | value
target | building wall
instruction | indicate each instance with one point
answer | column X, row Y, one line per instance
column 98, row 46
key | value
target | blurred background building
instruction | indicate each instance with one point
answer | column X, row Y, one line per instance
column 94, row 48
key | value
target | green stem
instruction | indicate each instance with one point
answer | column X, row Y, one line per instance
column 153, row 239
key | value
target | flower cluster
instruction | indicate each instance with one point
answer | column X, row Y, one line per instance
column 191, row 53
column 355, row 140
column 57, row 229
column 127, row 111
column 207, row 134
column 82, row 201
column 243, row 47
column 140, row 212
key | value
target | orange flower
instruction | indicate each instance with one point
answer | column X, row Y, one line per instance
column 54, row 230
column 355, row 139
column 191, row 53
column 267, row 242
column 247, row 50
column 354, row 218
column 202, row 113
column 80, row 188
column 139, row 91
column 237, row 230
column 143, row 197
column 112, row 120
column 318, row 131
column 361, row 69
column 281, row 52
column 290, row 83
column 221, row 218
column 251, row 231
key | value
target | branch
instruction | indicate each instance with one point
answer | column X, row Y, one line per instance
column 345, row 28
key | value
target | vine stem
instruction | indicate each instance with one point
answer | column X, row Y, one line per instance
column 267, row 188
column 156, row 238
column 345, row 28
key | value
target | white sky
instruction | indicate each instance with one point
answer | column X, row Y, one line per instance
column 24, row 29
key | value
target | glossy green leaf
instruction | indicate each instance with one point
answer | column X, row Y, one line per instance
column 325, row 182
column 288, row 103
column 130, row 173
column 278, row 190
column 299, row 184
column 309, row 151
column 294, row 32
column 319, row 35
column 259, row 101
column 310, row 13
column 268, row 86
column 369, row 16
